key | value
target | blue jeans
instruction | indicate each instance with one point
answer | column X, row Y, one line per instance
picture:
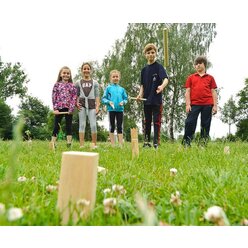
column 191, row 122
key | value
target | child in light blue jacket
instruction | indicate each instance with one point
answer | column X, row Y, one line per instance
column 115, row 97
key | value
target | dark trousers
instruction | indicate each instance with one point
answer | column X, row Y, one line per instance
column 191, row 122
column 57, row 123
column 118, row 116
column 153, row 113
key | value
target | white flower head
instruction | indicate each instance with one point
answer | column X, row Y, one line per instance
column 119, row 189
column 109, row 205
column 227, row 150
column 14, row 214
column 81, row 203
column 107, row 191
column 22, row 179
column 51, row 188
column 216, row 215
column 101, row 170
column 2, row 208
column 175, row 199
column 173, row 171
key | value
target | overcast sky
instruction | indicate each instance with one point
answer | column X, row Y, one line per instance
column 46, row 35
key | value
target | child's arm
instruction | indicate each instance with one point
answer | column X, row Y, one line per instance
column 162, row 86
column 141, row 93
column 187, row 100
column 214, row 94
column 124, row 97
column 97, row 104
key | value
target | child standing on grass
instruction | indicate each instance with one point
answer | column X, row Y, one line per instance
column 115, row 97
column 88, row 103
column 153, row 81
column 64, row 96
column 200, row 97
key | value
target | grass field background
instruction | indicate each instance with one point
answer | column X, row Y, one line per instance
column 205, row 177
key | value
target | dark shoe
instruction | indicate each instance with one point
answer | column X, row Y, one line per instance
column 68, row 145
column 147, row 144
column 155, row 146
column 186, row 143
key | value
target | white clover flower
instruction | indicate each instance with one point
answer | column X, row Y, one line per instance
column 101, row 170
column 119, row 189
column 2, row 208
column 175, row 199
column 51, row 188
column 14, row 214
column 22, row 179
column 173, row 171
column 227, row 150
column 109, row 205
column 216, row 215
column 106, row 191
column 33, row 178
column 244, row 222
column 81, row 203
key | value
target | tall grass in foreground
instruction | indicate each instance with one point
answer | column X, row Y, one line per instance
column 205, row 177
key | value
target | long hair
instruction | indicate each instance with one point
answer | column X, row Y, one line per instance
column 60, row 78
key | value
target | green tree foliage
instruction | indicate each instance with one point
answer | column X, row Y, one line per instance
column 13, row 80
column 6, row 121
column 243, row 101
column 229, row 113
column 186, row 41
column 242, row 130
column 242, row 125
column 36, row 117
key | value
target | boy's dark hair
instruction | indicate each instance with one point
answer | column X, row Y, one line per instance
column 201, row 59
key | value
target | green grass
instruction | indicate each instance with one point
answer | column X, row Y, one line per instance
column 205, row 177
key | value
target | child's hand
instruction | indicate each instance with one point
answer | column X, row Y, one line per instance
column 97, row 109
column 159, row 89
column 56, row 112
column 112, row 105
column 121, row 103
column 78, row 106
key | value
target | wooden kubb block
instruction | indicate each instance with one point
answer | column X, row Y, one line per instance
column 78, row 180
column 134, row 142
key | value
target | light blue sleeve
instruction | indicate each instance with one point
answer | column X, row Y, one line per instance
column 124, row 96
column 105, row 99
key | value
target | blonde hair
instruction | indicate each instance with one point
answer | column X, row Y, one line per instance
column 149, row 47
column 115, row 71
column 59, row 78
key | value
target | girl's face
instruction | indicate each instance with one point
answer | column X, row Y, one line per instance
column 65, row 75
column 86, row 71
column 115, row 77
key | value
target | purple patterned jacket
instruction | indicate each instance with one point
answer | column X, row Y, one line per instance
column 64, row 96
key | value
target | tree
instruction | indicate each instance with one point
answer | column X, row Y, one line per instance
column 242, row 125
column 6, row 121
column 229, row 113
column 13, row 80
column 186, row 41
column 243, row 102
column 36, row 117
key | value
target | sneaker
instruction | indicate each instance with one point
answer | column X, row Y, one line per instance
column 155, row 146
column 68, row 145
column 147, row 144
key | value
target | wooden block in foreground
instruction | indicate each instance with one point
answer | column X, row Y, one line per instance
column 134, row 142
column 78, row 179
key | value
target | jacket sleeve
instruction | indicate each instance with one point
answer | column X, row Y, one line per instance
column 54, row 96
column 73, row 98
column 124, row 96
column 105, row 99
